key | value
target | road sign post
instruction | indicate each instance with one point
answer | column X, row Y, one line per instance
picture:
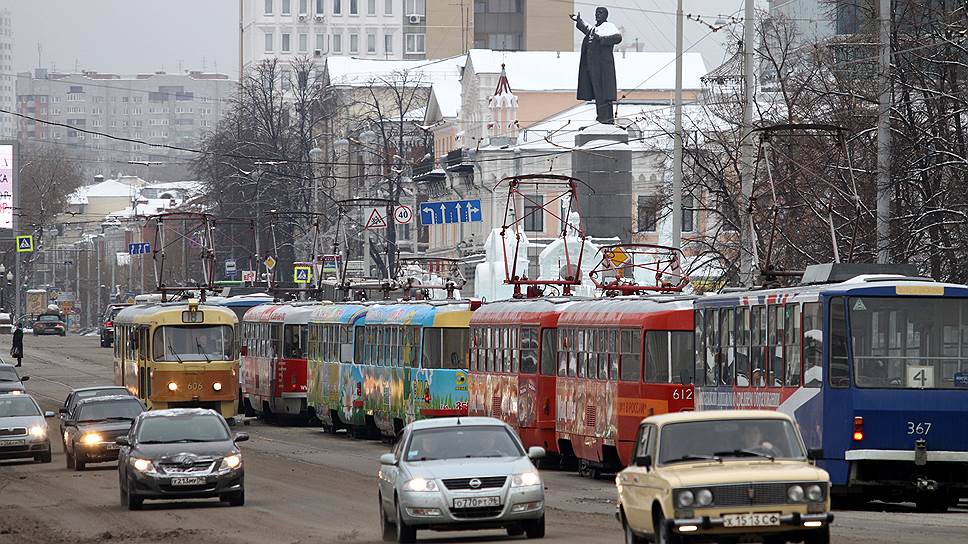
column 302, row 274
column 25, row 244
column 450, row 212
column 139, row 248
column 403, row 214
column 375, row 218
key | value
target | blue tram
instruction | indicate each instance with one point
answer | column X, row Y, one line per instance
column 874, row 366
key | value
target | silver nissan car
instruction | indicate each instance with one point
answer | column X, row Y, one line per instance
column 460, row 474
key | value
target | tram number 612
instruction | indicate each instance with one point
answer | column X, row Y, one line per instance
column 682, row 394
column 919, row 428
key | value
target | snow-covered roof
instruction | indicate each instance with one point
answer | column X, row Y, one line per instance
column 357, row 72
column 552, row 70
column 106, row 189
column 446, row 95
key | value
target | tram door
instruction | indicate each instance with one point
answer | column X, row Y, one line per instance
column 144, row 372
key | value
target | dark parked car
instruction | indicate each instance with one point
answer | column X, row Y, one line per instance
column 10, row 381
column 23, row 428
column 92, row 429
column 182, row 453
column 49, row 324
column 106, row 329
column 79, row 394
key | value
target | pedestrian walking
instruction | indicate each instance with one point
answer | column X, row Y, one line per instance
column 17, row 348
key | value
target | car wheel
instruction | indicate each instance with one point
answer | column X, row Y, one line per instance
column 820, row 536
column 630, row 536
column 935, row 503
column 404, row 533
column 80, row 460
column 388, row 530
column 515, row 531
column 664, row 533
column 44, row 457
column 234, row 499
column 123, row 493
column 134, row 502
column 535, row 528
column 68, row 458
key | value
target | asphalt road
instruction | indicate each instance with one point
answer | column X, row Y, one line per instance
column 305, row 486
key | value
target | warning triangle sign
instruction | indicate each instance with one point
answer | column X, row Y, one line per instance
column 376, row 220
column 25, row 243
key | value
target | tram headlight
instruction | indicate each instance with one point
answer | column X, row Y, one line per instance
column 814, row 493
column 172, row 386
column 217, row 386
column 795, row 493
column 685, row 499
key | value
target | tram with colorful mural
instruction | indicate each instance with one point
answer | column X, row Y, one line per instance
column 241, row 304
column 275, row 340
column 333, row 330
column 514, row 365
column 178, row 355
column 619, row 360
column 872, row 363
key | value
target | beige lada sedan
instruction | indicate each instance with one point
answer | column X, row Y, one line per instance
column 722, row 476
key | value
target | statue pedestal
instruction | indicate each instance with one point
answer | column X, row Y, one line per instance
column 603, row 160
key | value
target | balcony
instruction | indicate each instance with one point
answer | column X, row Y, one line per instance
column 458, row 161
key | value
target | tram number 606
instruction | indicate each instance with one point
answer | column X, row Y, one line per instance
column 682, row 394
column 917, row 427
column 195, row 386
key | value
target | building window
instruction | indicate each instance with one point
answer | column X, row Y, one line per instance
column 268, row 42
column 388, row 7
column 371, row 7
column 504, row 42
column 648, row 216
column 415, row 43
column 320, row 39
column 286, row 46
column 354, row 7
column 388, row 43
column 533, row 213
column 729, row 215
column 688, row 214
column 337, row 43
column 268, row 7
column 287, row 7
column 304, row 42
column 303, row 7
column 286, row 80
column 416, row 7
column 371, row 43
column 337, row 7
column 354, row 43
column 503, row 6
column 320, row 7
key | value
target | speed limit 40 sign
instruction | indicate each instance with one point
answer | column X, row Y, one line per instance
column 403, row 214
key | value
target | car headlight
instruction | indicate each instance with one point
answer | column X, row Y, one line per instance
column 420, row 484
column 231, row 461
column 525, row 479
column 91, row 438
column 38, row 431
column 795, row 493
column 141, row 465
column 685, row 499
column 814, row 493
column 217, row 386
column 704, row 497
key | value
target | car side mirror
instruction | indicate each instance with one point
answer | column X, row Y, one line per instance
column 388, row 459
column 49, row 414
column 240, row 437
column 815, row 454
column 536, row 452
column 644, row 461
column 122, row 441
column 24, row 378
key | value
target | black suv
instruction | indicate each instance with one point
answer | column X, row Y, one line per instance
column 106, row 329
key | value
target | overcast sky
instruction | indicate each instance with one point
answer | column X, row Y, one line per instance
column 131, row 36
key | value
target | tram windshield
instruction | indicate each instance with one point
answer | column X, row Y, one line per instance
column 909, row 343
column 193, row 343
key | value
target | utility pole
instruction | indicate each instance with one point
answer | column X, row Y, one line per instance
column 884, row 138
column 746, row 152
column 677, row 136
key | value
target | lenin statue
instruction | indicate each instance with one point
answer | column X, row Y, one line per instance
column 596, row 70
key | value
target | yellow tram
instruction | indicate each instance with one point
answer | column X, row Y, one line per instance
column 178, row 355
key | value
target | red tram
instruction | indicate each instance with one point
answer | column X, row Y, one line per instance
column 620, row 360
column 514, row 366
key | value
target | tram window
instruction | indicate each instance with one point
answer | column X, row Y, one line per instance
column 454, row 348
column 700, row 346
column 294, row 342
column 603, row 356
column 431, row 349
column 839, row 373
column 712, row 347
column 507, row 343
column 681, row 350
column 657, row 360
column 742, row 320
column 727, row 344
column 812, row 345
column 792, row 345
column 630, row 366
column 549, row 351
column 358, row 345
column 573, row 347
column 758, row 328
column 776, row 330
column 529, row 350
column 192, row 342
column 613, row 356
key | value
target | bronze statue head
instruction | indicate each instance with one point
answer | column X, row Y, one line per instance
column 601, row 15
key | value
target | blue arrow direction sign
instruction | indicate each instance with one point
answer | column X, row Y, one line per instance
column 449, row 212
column 139, row 248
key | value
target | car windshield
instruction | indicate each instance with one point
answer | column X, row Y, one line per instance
column 193, row 343
column 18, row 406
column 8, row 374
column 192, row 428
column 52, row 318
column 462, row 443
column 109, row 409
column 729, row 438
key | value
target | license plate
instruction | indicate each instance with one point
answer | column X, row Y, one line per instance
column 187, row 481
column 111, row 446
column 752, row 520
column 477, row 502
column 12, row 442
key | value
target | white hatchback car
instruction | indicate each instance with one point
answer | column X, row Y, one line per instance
column 460, row 474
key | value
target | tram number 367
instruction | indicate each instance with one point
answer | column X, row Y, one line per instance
column 682, row 394
column 917, row 427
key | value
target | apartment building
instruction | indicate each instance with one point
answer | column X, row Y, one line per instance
column 8, row 125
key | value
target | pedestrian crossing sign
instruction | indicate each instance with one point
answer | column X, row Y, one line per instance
column 302, row 274
column 25, row 244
